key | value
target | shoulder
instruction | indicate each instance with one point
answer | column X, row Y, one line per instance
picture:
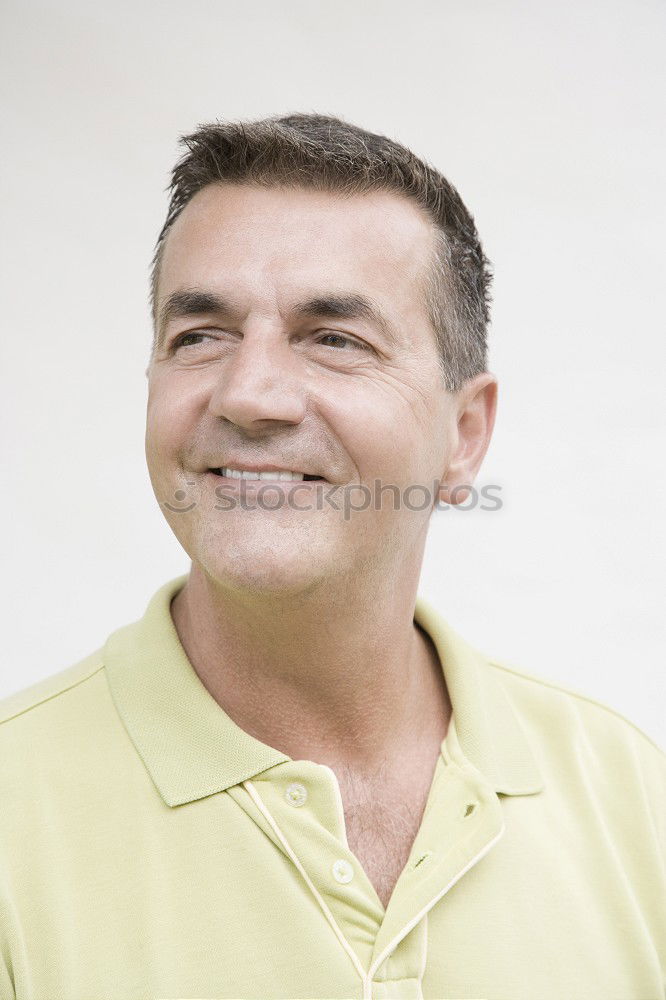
column 590, row 750
column 58, row 737
column 563, row 710
column 33, row 707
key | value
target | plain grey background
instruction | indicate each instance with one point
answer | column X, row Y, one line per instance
column 548, row 117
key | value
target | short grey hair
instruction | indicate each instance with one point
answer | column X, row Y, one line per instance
column 328, row 154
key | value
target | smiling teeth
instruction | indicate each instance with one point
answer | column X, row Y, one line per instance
column 275, row 476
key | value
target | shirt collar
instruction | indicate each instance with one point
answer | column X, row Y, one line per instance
column 192, row 749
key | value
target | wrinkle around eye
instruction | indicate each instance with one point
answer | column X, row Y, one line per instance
column 395, row 381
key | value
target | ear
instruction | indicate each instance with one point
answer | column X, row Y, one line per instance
column 476, row 405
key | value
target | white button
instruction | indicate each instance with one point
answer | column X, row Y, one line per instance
column 296, row 795
column 342, row 871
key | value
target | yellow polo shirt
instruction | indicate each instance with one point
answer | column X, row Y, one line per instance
column 150, row 848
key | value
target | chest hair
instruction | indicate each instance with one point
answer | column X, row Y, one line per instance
column 382, row 823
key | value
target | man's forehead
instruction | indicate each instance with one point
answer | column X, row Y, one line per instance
column 227, row 215
column 237, row 233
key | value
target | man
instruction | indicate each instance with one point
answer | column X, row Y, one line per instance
column 290, row 777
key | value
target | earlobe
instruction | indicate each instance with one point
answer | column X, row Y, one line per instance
column 454, row 495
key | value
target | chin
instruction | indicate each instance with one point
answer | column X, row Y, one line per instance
column 266, row 580
column 252, row 569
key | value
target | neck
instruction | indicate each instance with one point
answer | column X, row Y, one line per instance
column 346, row 680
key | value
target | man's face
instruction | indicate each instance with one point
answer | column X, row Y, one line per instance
column 306, row 347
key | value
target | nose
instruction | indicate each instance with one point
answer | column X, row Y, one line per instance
column 259, row 383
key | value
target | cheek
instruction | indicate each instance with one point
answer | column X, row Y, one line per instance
column 168, row 418
column 382, row 431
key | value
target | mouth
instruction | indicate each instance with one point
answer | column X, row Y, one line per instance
column 265, row 475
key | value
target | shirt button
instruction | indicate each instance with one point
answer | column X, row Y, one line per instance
column 296, row 795
column 342, row 871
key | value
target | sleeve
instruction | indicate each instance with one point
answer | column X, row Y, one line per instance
column 7, row 989
column 652, row 762
column 8, row 935
column 6, row 985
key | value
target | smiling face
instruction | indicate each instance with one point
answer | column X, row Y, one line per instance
column 295, row 337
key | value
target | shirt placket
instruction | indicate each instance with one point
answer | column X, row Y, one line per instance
column 462, row 823
column 298, row 805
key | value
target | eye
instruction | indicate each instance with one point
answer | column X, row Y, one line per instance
column 343, row 341
column 184, row 337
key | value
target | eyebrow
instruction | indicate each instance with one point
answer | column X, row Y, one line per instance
column 350, row 306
